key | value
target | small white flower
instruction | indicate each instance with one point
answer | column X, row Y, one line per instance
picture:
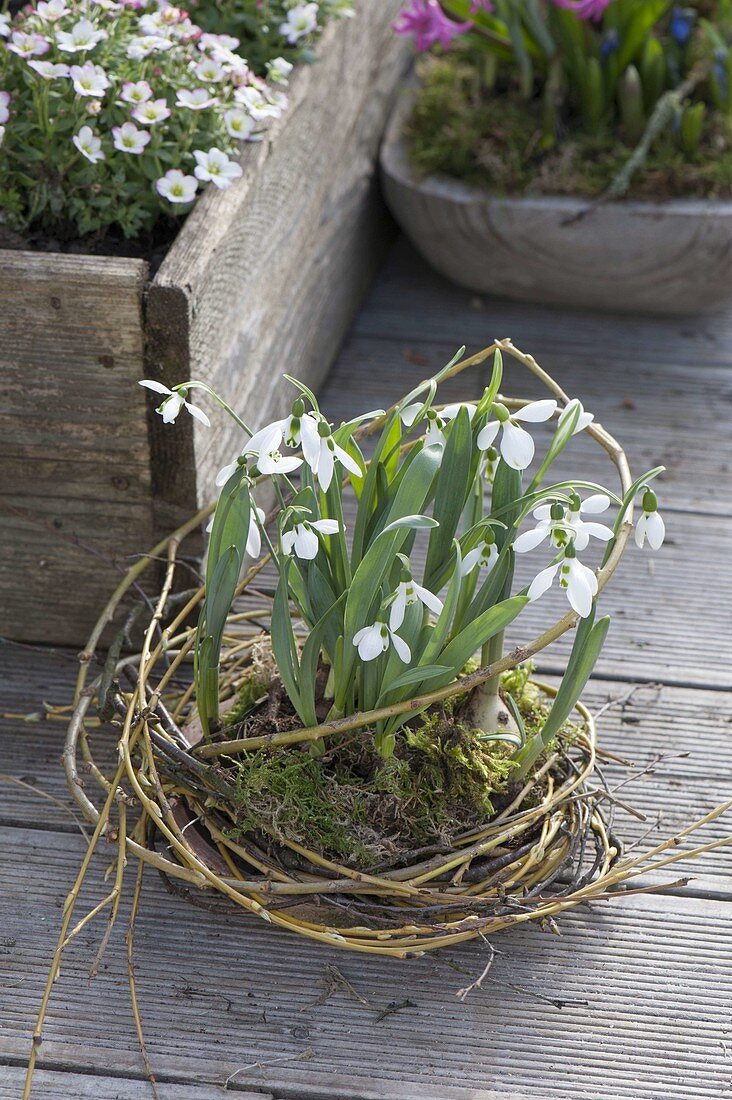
column 517, row 446
column 322, row 452
column 650, row 527
column 278, row 70
column 151, row 112
column 4, row 25
column 254, row 535
column 238, row 123
column 51, row 10
column 437, row 420
column 563, row 525
column 409, row 592
column 152, row 23
column 4, row 107
column 303, row 538
column 372, row 641
column 579, row 582
column 209, row 70
column 271, row 461
column 138, row 91
column 176, row 186
column 48, row 70
column 173, row 403
column 196, row 100
column 217, row 41
column 88, row 144
column 216, row 167
column 83, row 36
column 484, row 555
column 583, row 420
column 301, row 20
column 89, row 79
column 292, row 429
column 257, row 103
column 28, row 45
column 128, row 139
column 145, row 45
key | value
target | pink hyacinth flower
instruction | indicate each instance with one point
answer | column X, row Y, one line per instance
column 427, row 23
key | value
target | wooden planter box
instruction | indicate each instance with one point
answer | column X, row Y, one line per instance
column 262, row 279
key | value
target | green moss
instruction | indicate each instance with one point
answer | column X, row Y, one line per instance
column 252, row 688
column 493, row 140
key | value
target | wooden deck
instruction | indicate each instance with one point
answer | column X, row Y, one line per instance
column 632, row 1001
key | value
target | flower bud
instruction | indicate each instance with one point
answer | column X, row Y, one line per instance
column 557, row 512
column 650, row 501
column 298, row 408
column 500, row 412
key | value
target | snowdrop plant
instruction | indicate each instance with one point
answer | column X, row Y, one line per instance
column 395, row 564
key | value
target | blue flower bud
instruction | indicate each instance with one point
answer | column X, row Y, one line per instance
column 682, row 24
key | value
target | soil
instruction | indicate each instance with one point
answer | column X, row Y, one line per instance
column 151, row 247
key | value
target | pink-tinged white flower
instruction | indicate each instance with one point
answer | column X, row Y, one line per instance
column 93, row 107
column 650, row 527
column 303, row 538
column 28, row 45
column 151, row 112
column 49, row 70
column 259, row 105
column 145, row 45
column 218, row 41
column 437, row 420
column 83, row 36
column 4, row 25
column 322, row 453
column 176, row 186
column 409, row 592
column 50, row 10
column 175, row 400
column 88, row 144
column 584, row 9
column 482, row 556
column 372, row 641
column 238, row 124
column 215, row 167
column 4, row 107
column 209, row 70
column 563, row 525
column 152, row 23
column 89, row 79
column 301, row 20
column 278, row 70
column 516, row 446
column 128, row 139
column 578, row 581
column 426, row 22
column 137, row 91
column 196, row 99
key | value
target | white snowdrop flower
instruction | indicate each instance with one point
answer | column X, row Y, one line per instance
column 28, row 45
column 372, row 641
column 516, row 446
column 484, row 556
column 151, row 112
column 174, row 402
column 4, row 107
column 579, row 582
column 583, row 420
column 83, row 36
column 4, row 25
column 321, row 454
column 238, row 123
column 89, row 79
column 254, row 535
column 88, row 144
column 562, row 525
column 437, row 420
column 270, row 460
column 128, row 139
column 142, row 47
column 196, row 100
column 303, row 538
column 409, row 592
column 51, row 10
column 292, row 429
column 301, row 20
column 216, row 167
column 209, row 70
column 136, row 91
column 650, row 527
column 176, row 186
column 48, row 70
column 278, row 70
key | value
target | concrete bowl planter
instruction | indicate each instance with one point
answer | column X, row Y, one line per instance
column 636, row 257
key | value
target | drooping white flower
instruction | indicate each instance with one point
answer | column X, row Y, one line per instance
column 484, row 555
column 321, row 454
column 270, row 459
column 197, row 99
column 301, row 20
column 583, row 420
column 650, row 527
column 437, row 420
column 136, row 91
column 292, row 429
column 578, row 580
column 82, row 37
column 238, row 123
column 516, row 446
column 151, row 112
column 303, row 537
column 563, row 525
column 128, row 139
column 278, row 70
column 50, row 10
column 28, row 45
column 409, row 592
column 89, row 144
column 254, row 535
column 372, row 641
column 48, row 70
column 89, row 79
column 176, row 186
column 173, row 403
column 216, row 167
column 4, row 107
